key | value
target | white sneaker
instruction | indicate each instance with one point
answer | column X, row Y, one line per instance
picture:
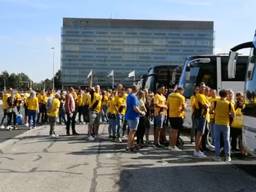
column 2, row 127
column 27, row 125
column 54, row 135
column 120, row 140
column 228, row 159
column 8, row 127
column 199, row 154
column 91, row 138
column 175, row 149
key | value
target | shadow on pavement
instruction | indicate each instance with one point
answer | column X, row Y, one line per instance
column 206, row 178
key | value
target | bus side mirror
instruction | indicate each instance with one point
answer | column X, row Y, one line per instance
column 232, row 64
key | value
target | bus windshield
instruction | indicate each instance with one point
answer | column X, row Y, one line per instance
column 196, row 70
column 162, row 75
column 250, row 87
column 196, row 73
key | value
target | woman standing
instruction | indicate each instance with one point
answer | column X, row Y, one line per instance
column 33, row 108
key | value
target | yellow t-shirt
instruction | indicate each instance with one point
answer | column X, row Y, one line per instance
column 176, row 105
column 111, row 106
column 79, row 100
column 86, row 98
column 44, row 99
column 159, row 100
column 54, row 110
column 239, row 119
column 5, row 97
column 96, row 97
column 193, row 103
column 201, row 101
column 222, row 111
column 32, row 103
column 120, row 104
column 105, row 100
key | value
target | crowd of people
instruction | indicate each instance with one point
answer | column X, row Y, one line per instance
column 130, row 113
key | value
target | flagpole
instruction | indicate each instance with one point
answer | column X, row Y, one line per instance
column 113, row 80
column 91, row 79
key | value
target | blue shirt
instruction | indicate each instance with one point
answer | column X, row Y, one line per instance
column 131, row 102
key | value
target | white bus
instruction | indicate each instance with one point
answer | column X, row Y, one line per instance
column 213, row 71
column 249, row 131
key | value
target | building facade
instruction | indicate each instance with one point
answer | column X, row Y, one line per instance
column 102, row 45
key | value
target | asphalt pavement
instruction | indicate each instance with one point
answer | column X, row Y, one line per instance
column 34, row 162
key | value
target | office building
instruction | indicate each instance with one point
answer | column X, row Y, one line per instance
column 124, row 45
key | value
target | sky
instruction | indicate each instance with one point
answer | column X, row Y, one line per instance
column 30, row 28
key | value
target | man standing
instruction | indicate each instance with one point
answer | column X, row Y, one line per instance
column 53, row 113
column 70, row 108
column 223, row 110
column 120, row 105
column 94, row 114
column 160, row 110
column 4, row 107
column 132, row 116
column 176, row 108
column 201, row 110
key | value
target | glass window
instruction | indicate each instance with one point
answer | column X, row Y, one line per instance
column 241, row 67
column 250, row 108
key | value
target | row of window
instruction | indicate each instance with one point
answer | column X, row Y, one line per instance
column 172, row 34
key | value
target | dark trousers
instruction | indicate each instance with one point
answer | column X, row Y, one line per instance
column 42, row 114
column 5, row 115
column 62, row 115
column 32, row 118
column 11, row 116
column 235, row 133
column 71, row 120
column 81, row 114
column 52, row 122
column 141, row 130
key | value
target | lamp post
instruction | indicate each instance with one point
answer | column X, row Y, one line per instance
column 53, row 54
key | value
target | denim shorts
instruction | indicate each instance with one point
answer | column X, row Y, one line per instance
column 159, row 121
column 201, row 124
column 133, row 124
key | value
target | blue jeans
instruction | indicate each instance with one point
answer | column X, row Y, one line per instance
column 119, row 124
column 32, row 118
column 225, row 131
column 112, row 126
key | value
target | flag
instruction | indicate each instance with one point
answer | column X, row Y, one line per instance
column 131, row 74
column 89, row 75
column 111, row 74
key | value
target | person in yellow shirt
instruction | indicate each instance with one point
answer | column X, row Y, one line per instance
column 4, row 107
column 120, row 105
column 86, row 102
column 201, row 110
column 33, row 108
column 95, row 109
column 112, row 116
column 80, row 106
column 193, row 107
column 223, row 110
column 160, row 112
column 237, row 124
column 105, row 97
column 176, row 108
column 42, row 100
column 53, row 113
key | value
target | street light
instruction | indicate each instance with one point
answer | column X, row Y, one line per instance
column 53, row 54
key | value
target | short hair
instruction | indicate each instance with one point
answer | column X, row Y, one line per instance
column 223, row 93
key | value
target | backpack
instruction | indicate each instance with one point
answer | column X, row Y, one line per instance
column 49, row 104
